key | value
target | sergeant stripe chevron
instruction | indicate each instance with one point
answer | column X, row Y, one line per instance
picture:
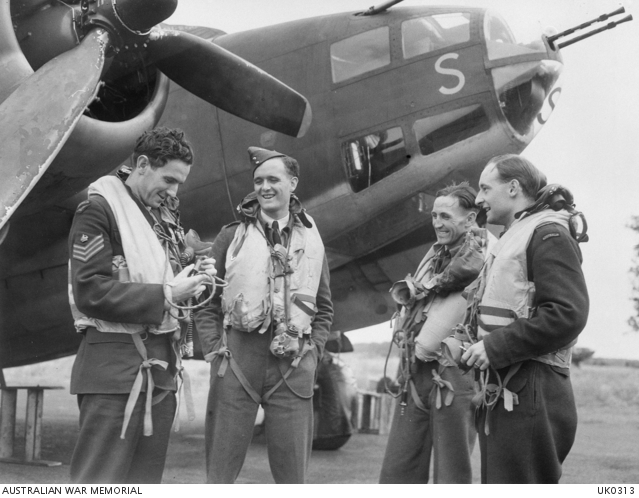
column 88, row 247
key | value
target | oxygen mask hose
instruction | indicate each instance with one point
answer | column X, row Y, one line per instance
column 211, row 281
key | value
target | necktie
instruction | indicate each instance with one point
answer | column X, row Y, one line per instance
column 441, row 260
column 277, row 239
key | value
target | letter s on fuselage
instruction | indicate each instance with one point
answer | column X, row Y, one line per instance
column 452, row 72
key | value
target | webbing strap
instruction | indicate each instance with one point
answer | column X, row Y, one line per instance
column 489, row 394
column 243, row 380
column 282, row 380
column 486, row 327
column 158, row 399
column 296, row 361
column 147, row 364
column 416, row 398
column 500, row 312
column 299, row 299
column 184, row 395
column 228, row 360
column 439, row 385
column 183, row 389
column 510, row 398
column 240, row 244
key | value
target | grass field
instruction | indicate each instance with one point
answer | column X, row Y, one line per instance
column 605, row 450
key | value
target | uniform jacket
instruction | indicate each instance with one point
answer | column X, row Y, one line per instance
column 107, row 363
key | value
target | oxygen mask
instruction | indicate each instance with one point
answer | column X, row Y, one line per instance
column 556, row 197
column 285, row 343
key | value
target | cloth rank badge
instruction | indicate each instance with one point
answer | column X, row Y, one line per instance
column 86, row 246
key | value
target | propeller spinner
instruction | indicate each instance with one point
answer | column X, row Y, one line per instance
column 112, row 40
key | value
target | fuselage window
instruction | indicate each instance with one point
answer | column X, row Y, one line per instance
column 372, row 157
column 435, row 133
column 430, row 33
column 501, row 43
column 360, row 54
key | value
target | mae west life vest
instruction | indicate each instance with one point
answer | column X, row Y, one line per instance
column 443, row 312
column 144, row 256
column 261, row 291
column 505, row 293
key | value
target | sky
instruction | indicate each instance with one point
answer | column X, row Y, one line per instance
column 588, row 144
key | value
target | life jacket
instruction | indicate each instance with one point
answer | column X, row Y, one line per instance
column 432, row 304
column 444, row 310
column 505, row 294
column 145, row 257
column 272, row 285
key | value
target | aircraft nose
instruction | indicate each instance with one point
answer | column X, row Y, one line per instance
column 527, row 93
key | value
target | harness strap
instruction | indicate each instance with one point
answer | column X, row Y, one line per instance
column 510, row 398
column 415, row 396
column 228, row 360
column 489, row 394
column 243, row 380
column 500, row 312
column 296, row 361
column 184, row 393
column 492, row 311
column 158, row 399
column 239, row 245
column 299, row 299
column 147, row 364
column 439, row 385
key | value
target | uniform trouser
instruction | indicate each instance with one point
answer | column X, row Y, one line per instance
column 231, row 412
column 529, row 444
column 100, row 456
column 448, row 432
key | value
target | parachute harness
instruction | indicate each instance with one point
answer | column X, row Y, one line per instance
column 406, row 343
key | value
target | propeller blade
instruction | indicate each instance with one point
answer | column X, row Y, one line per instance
column 38, row 117
column 14, row 67
column 229, row 82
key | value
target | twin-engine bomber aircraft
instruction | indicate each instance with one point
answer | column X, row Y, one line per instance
column 404, row 101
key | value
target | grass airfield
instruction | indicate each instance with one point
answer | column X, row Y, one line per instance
column 605, row 449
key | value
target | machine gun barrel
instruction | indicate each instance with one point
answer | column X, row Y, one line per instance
column 610, row 25
column 601, row 18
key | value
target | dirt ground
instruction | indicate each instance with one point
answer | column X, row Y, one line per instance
column 604, row 452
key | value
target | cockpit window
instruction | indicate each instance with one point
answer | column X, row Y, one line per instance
column 372, row 157
column 501, row 42
column 435, row 133
column 426, row 34
column 360, row 54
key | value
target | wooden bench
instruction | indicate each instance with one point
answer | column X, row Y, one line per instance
column 32, row 426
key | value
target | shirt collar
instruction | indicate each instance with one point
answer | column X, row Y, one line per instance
column 282, row 222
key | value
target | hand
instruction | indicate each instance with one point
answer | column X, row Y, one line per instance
column 185, row 287
column 207, row 265
column 475, row 356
